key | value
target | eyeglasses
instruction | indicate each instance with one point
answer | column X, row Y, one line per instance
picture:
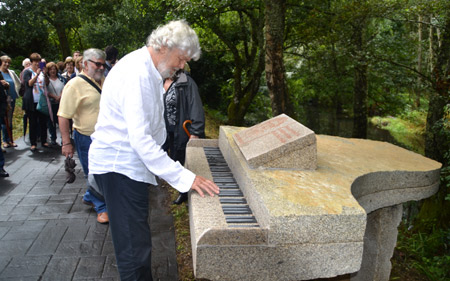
column 98, row 64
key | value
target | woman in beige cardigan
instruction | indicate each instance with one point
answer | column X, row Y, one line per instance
column 13, row 93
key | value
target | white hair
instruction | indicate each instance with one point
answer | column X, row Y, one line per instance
column 93, row 53
column 5, row 58
column 176, row 34
column 25, row 62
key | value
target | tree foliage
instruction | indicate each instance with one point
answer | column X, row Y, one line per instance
column 238, row 25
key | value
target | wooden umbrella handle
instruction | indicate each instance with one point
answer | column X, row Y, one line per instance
column 184, row 127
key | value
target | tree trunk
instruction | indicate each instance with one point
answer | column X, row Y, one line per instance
column 275, row 11
column 360, row 102
column 430, row 46
column 437, row 140
column 436, row 209
column 436, row 145
column 249, row 66
column 419, row 63
column 360, row 91
column 243, row 96
column 337, row 100
column 63, row 41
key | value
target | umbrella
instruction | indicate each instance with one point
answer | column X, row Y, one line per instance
column 25, row 122
column 8, row 129
column 69, row 166
column 185, row 127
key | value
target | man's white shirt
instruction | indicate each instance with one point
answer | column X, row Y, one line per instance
column 131, row 129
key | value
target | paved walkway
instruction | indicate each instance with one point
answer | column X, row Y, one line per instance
column 46, row 233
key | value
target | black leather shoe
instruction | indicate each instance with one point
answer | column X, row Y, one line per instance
column 183, row 197
column 3, row 173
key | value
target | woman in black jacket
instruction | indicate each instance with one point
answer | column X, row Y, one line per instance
column 182, row 102
column 34, row 87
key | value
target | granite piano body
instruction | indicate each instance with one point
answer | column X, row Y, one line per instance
column 296, row 206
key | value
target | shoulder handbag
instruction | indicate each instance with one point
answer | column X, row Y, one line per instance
column 90, row 82
column 42, row 105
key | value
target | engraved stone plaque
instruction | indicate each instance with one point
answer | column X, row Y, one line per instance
column 280, row 142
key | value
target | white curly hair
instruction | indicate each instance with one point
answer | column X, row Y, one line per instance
column 176, row 34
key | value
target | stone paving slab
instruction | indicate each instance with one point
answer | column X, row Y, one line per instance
column 46, row 233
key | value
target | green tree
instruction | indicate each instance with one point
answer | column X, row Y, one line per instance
column 45, row 26
column 340, row 47
column 126, row 24
column 23, row 31
column 238, row 25
column 275, row 11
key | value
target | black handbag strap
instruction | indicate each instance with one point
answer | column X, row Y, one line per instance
column 90, row 82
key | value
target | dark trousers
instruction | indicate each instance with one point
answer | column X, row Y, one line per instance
column 37, row 122
column 175, row 153
column 128, row 207
column 52, row 125
column 2, row 159
column 6, row 138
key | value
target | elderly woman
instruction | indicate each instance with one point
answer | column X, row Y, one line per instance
column 34, row 87
column 14, row 86
column 70, row 69
column 78, row 64
column 3, row 88
column 55, row 84
column 26, row 63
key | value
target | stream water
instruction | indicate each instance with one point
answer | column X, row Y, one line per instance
column 328, row 123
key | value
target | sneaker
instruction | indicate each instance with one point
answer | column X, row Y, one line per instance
column 3, row 173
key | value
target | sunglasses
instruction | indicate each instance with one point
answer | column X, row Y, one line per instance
column 98, row 64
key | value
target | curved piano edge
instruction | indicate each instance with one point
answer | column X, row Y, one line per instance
column 383, row 189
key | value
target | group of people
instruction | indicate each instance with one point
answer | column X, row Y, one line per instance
column 36, row 79
column 128, row 130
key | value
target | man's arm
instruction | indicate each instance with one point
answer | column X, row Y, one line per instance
column 64, row 128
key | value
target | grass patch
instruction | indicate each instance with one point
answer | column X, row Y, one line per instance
column 408, row 130
column 183, row 238
column 213, row 120
column 421, row 256
column 18, row 120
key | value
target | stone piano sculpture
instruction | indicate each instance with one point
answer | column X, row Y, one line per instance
column 296, row 206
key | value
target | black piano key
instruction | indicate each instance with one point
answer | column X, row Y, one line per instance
column 233, row 201
column 240, row 219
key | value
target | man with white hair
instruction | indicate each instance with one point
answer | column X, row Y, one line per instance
column 126, row 155
column 80, row 101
